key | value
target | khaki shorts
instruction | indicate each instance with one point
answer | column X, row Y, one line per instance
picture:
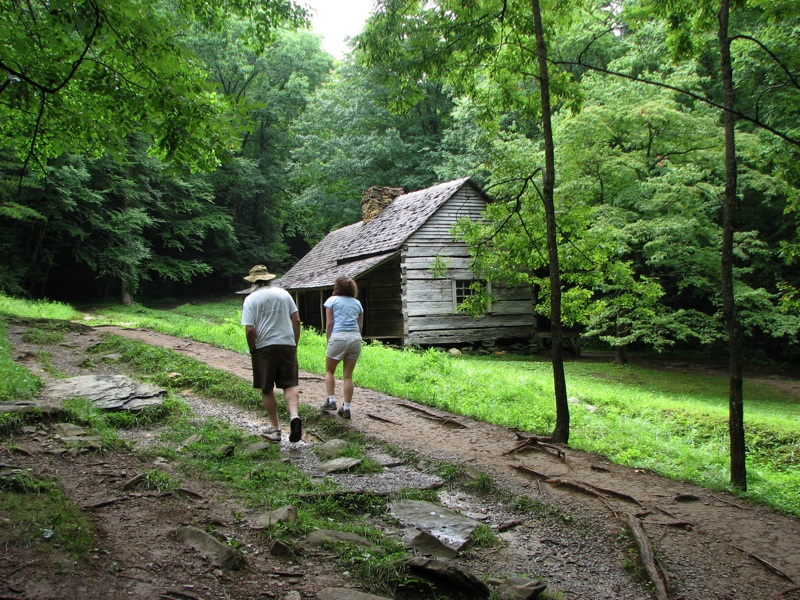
column 344, row 344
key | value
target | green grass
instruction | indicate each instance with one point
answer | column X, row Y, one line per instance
column 39, row 515
column 16, row 381
column 668, row 423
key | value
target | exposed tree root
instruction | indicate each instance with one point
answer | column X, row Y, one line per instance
column 647, row 557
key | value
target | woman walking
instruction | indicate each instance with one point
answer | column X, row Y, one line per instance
column 344, row 318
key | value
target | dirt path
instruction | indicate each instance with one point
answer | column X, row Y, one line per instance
column 709, row 544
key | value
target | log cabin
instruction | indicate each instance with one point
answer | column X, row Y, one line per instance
column 392, row 254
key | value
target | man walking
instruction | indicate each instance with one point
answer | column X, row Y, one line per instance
column 272, row 328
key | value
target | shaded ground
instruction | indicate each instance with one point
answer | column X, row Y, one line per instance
column 709, row 544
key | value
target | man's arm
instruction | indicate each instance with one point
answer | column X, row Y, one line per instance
column 250, row 334
column 296, row 326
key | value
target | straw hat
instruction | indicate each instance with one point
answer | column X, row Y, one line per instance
column 259, row 273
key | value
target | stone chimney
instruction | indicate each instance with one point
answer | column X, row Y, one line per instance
column 376, row 198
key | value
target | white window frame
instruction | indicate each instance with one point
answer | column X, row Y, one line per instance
column 467, row 282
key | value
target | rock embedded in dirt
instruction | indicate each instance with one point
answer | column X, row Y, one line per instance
column 219, row 554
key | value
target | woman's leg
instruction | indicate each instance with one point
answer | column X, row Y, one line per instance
column 347, row 379
column 330, row 377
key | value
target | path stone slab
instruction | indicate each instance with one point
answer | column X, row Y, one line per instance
column 320, row 536
column 106, row 392
column 450, row 528
column 346, row 594
column 451, row 576
column 216, row 552
column 339, row 464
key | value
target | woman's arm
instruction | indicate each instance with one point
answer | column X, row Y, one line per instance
column 328, row 322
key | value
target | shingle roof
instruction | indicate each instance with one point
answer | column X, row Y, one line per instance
column 357, row 248
column 319, row 268
column 407, row 213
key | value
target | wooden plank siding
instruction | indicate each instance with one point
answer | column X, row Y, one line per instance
column 379, row 292
column 429, row 310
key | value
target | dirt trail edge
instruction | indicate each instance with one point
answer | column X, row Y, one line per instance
column 707, row 544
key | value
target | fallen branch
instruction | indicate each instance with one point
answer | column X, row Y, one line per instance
column 647, row 557
column 529, row 471
column 583, row 487
column 788, row 591
column 733, row 504
column 508, row 525
column 665, row 511
column 134, row 578
column 188, row 492
column 20, row 450
column 377, row 418
column 771, row 567
column 178, row 594
column 594, row 490
column 678, row 524
column 447, row 421
column 104, row 503
column 133, row 481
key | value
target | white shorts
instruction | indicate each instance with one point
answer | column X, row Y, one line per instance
column 344, row 344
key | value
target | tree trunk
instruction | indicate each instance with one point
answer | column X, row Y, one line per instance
column 621, row 355
column 735, row 397
column 561, row 430
column 125, row 294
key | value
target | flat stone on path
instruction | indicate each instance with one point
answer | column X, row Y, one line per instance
column 284, row 514
column 450, row 528
column 257, row 448
column 339, row 464
column 320, row 536
column 452, row 576
column 216, row 552
column 346, row 594
column 106, row 392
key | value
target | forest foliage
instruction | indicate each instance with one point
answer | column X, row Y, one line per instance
column 162, row 148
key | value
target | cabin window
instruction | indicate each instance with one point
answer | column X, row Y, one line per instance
column 464, row 288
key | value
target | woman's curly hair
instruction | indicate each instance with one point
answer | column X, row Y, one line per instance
column 344, row 286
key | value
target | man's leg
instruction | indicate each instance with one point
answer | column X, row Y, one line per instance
column 292, row 397
column 271, row 406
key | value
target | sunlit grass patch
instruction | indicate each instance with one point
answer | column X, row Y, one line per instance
column 37, row 309
column 16, row 381
column 173, row 371
column 39, row 515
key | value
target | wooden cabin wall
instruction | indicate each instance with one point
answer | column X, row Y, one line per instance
column 379, row 292
column 309, row 306
column 428, row 307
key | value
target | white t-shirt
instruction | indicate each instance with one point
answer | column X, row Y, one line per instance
column 270, row 310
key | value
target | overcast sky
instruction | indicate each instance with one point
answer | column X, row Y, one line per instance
column 336, row 20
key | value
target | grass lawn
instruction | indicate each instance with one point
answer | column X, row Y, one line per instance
column 669, row 423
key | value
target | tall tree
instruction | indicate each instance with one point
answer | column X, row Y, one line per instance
column 349, row 140
column 735, row 397
column 496, row 51
column 81, row 75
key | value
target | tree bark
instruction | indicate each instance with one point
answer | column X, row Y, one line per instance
column 735, row 397
column 561, row 430
column 125, row 294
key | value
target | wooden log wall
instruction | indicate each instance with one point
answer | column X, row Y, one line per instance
column 379, row 292
column 429, row 309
